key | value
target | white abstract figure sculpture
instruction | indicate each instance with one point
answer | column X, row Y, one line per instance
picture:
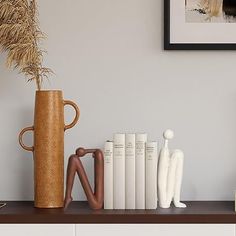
column 170, row 172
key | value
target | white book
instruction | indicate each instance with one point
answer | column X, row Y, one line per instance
column 130, row 171
column 108, row 175
column 151, row 175
column 119, row 171
column 140, row 144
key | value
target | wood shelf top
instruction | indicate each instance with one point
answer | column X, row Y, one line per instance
column 79, row 213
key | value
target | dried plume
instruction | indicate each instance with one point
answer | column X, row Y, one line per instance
column 20, row 36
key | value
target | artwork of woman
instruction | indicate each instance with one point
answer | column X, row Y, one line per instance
column 218, row 11
column 212, row 7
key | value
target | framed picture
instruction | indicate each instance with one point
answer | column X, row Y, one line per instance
column 200, row 25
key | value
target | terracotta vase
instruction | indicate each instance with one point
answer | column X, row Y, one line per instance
column 48, row 147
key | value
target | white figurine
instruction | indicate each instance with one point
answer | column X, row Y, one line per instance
column 170, row 172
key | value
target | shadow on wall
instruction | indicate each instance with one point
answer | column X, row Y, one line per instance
column 6, row 75
column 17, row 167
column 78, row 192
column 12, row 83
column 25, row 159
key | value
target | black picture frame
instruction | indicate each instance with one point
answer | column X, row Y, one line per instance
column 188, row 46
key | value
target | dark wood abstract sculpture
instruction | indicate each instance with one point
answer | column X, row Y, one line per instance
column 95, row 199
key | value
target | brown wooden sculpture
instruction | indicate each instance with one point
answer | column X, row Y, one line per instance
column 95, row 199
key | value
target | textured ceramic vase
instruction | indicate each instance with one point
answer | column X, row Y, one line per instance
column 48, row 147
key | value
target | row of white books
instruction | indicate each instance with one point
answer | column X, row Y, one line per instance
column 130, row 172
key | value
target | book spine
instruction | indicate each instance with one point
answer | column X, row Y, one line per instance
column 151, row 175
column 140, row 144
column 130, row 171
column 119, row 171
column 108, row 175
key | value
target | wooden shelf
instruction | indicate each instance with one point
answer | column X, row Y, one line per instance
column 79, row 212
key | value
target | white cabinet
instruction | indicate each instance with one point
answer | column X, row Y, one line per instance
column 37, row 230
column 156, row 230
column 117, row 230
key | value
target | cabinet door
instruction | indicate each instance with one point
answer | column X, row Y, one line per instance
column 156, row 230
column 37, row 230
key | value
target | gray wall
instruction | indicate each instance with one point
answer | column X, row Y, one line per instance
column 107, row 56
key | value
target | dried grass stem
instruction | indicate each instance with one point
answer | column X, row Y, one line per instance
column 20, row 36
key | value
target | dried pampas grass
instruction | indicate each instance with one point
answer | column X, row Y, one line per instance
column 20, row 36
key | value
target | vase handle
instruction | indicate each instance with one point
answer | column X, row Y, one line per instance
column 30, row 149
column 77, row 114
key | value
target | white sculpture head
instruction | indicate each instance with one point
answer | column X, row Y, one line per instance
column 168, row 134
